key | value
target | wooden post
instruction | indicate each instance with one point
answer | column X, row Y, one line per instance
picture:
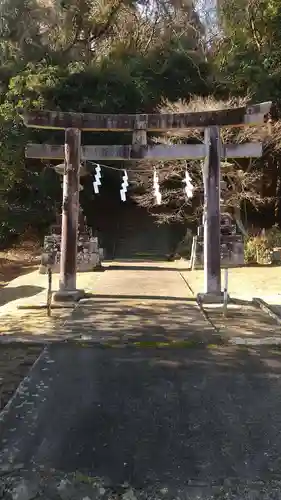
column 211, row 176
column 191, row 255
column 139, row 136
column 225, row 292
column 70, row 211
column 194, row 254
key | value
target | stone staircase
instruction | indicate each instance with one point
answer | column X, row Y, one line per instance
column 140, row 238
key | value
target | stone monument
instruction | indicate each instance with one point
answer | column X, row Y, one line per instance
column 232, row 244
column 89, row 254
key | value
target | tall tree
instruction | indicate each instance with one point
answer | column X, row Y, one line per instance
column 248, row 51
column 89, row 55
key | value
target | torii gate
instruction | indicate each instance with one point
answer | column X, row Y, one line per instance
column 212, row 151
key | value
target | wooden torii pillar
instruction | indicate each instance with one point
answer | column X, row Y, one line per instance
column 211, row 151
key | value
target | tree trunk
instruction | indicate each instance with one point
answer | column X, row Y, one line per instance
column 277, row 207
column 238, row 220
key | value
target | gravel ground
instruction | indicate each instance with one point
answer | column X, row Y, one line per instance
column 59, row 486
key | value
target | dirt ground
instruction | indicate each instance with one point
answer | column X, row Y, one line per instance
column 16, row 359
column 245, row 282
column 18, row 260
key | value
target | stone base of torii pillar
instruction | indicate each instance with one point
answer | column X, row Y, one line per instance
column 66, row 296
column 210, row 298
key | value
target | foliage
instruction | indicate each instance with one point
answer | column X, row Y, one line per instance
column 248, row 52
column 83, row 55
column 256, row 250
column 132, row 56
column 273, row 236
column 258, row 247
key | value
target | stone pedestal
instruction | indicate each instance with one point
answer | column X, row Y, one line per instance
column 210, row 298
column 89, row 254
column 69, row 296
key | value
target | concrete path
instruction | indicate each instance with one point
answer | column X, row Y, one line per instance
column 139, row 302
column 119, row 289
column 146, row 423
column 119, row 412
column 130, row 300
column 154, row 280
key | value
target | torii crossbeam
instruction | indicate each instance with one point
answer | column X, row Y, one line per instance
column 157, row 152
column 234, row 117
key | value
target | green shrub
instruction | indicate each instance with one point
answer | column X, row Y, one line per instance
column 8, row 234
column 258, row 248
column 274, row 237
column 250, row 251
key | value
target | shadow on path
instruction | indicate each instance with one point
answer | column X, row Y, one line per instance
column 131, row 267
column 244, row 322
column 138, row 319
column 8, row 294
column 183, row 419
column 138, row 297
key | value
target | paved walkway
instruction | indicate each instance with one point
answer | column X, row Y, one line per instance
column 151, row 420
column 137, row 301
column 127, row 301
column 145, row 423
column 140, row 302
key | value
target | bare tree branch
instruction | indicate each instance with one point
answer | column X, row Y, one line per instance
column 243, row 183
